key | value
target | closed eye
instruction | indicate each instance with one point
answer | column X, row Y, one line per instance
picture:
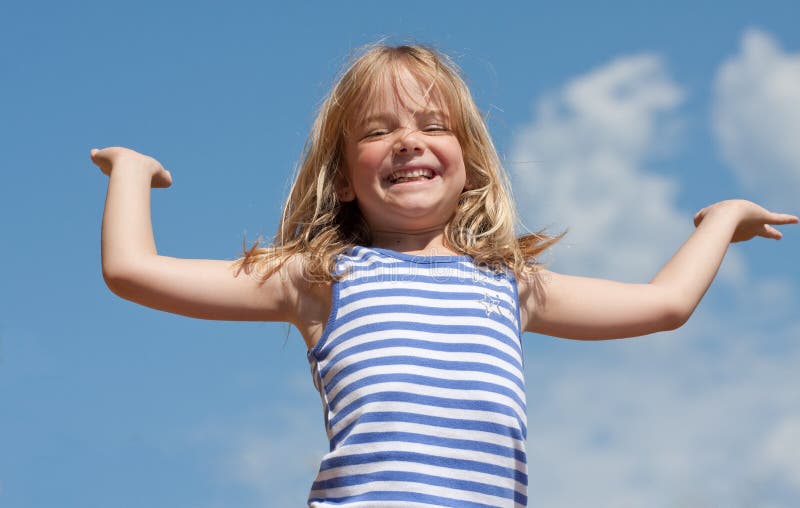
column 436, row 128
column 433, row 128
column 376, row 133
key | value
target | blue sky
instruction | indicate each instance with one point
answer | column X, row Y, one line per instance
column 618, row 120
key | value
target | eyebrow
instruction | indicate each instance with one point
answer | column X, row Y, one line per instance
column 427, row 113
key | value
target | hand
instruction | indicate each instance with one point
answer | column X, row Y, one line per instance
column 753, row 219
column 107, row 158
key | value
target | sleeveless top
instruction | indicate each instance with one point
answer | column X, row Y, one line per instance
column 420, row 372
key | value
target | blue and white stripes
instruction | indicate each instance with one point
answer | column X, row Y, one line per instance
column 420, row 371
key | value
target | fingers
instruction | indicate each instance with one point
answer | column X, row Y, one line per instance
column 779, row 218
column 768, row 231
column 771, row 232
column 109, row 152
column 98, row 154
column 162, row 179
column 101, row 162
column 785, row 218
column 698, row 217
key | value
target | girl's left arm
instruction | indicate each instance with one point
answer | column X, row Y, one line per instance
column 586, row 308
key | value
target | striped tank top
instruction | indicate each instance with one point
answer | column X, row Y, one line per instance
column 420, row 372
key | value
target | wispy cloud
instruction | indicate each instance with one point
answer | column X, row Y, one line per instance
column 579, row 164
column 276, row 465
column 271, row 456
column 664, row 422
column 756, row 118
column 780, row 453
column 702, row 416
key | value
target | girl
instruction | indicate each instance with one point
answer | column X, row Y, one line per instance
column 397, row 260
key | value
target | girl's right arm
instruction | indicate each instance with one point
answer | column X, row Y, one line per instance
column 200, row 288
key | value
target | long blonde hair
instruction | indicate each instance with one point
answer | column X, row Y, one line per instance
column 315, row 223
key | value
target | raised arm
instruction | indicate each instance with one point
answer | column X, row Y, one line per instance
column 199, row 288
column 588, row 308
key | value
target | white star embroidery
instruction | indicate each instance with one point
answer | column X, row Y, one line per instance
column 491, row 303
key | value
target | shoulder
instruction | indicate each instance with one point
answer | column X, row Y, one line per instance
column 310, row 297
column 293, row 277
column 298, row 272
column 532, row 289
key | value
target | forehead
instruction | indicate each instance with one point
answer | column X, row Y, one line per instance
column 400, row 91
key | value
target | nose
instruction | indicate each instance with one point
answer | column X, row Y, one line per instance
column 409, row 141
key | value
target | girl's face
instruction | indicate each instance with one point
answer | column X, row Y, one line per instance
column 403, row 164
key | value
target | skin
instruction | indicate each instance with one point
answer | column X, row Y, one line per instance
column 593, row 309
column 400, row 132
column 404, row 130
column 199, row 288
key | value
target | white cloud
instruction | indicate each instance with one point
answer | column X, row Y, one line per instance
column 702, row 416
column 279, row 466
column 579, row 165
column 269, row 457
column 781, row 451
column 756, row 118
column 637, row 423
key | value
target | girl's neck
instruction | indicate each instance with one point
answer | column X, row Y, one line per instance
column 422, row 242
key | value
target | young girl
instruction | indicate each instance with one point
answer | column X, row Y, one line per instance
column 397, row 260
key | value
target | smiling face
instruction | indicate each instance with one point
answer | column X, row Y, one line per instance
column 403, row 163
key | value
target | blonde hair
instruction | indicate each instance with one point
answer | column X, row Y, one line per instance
column 315, row 223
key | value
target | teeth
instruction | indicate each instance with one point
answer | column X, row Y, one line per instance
column 406, row 175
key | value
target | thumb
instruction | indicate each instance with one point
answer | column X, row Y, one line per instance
column 771, row 232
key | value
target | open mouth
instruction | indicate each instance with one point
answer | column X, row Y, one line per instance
column 411, row 175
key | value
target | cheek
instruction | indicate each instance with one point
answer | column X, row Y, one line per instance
column 463, row 169
column 366, row 158
column 358, row 161
column 369, row 160
column 454, row 150
column 456, row 156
